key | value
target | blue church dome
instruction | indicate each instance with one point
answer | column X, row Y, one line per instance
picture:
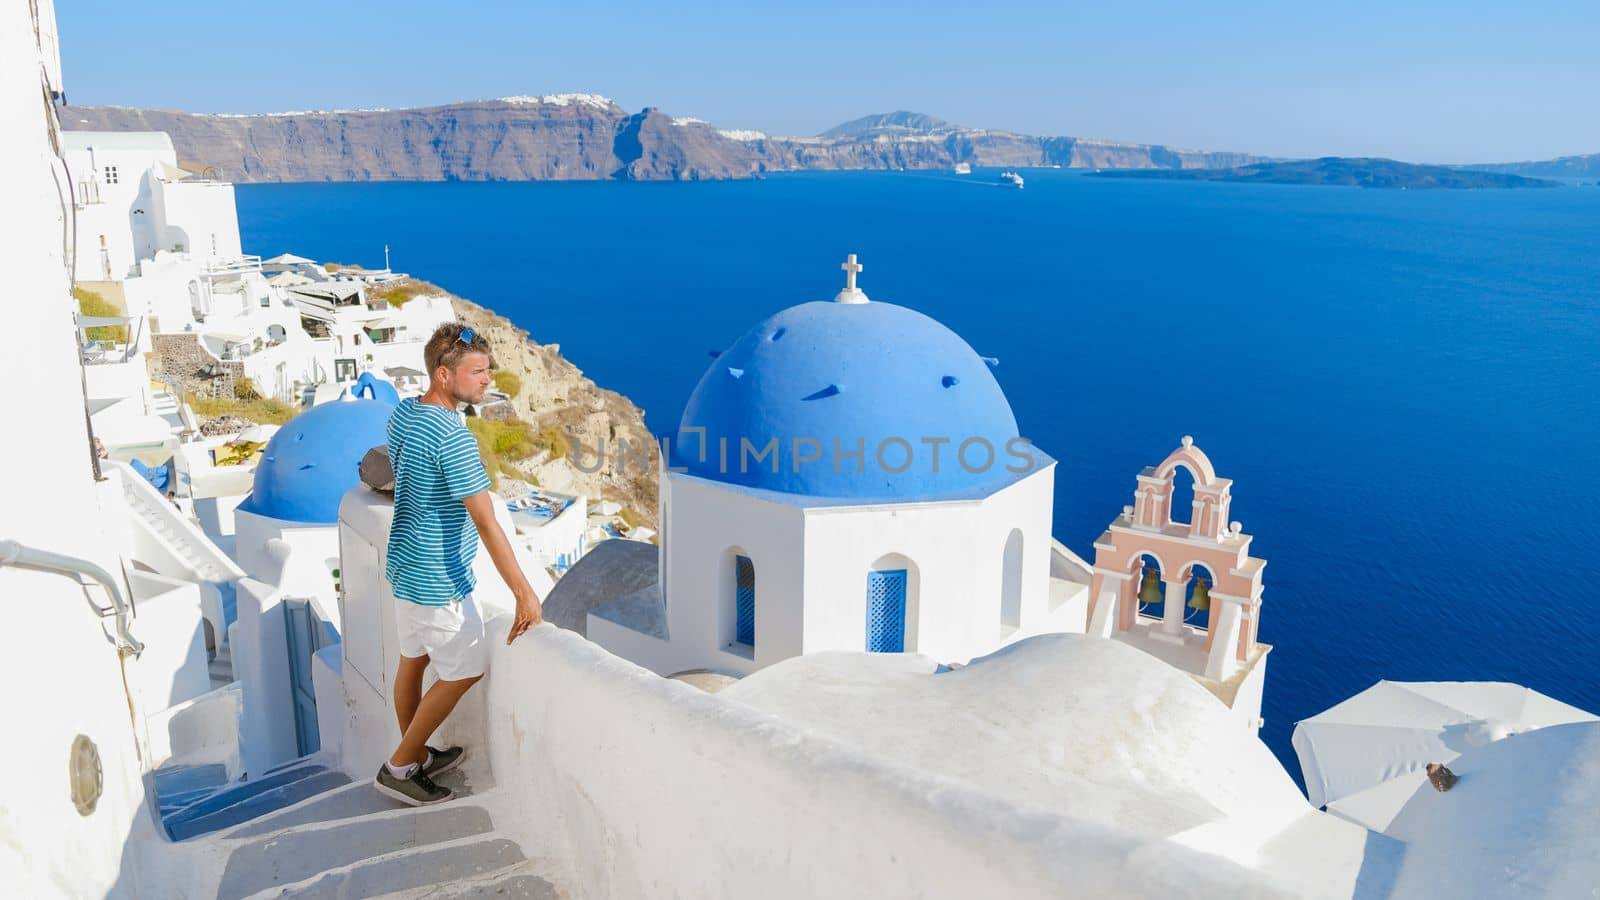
column 888, row 380
column 312, row 461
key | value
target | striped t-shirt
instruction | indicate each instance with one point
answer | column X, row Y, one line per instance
column 432, row 540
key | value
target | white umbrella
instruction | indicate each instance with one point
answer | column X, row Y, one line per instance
column 257, row 434
column 228, row 335
column 287, row 259
column 1364, row 758
column 1519, row 821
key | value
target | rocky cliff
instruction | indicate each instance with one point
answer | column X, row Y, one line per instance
column 555, row 395
column 582, row 136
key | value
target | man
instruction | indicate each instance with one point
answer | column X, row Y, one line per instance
column 439, row 485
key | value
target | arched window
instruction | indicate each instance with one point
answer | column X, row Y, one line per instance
column 886, row 611
column 744, row 601
column 1181, row 509
column 1011, row 583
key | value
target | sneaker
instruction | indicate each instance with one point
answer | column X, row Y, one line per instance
column 443, row 761
column 418, row 790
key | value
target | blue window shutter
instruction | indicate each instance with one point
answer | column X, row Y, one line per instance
column 744, row 579
column 886, row 611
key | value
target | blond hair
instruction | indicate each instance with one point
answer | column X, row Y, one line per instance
column 450, row 342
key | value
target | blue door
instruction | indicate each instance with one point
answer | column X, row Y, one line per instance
column 886, row 611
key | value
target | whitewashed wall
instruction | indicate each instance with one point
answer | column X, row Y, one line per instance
column 64, row 679
column 199, row 215
column 646, row 787
column 316, row 549
column 198, row 731
column 953, row 551
column 173, row 668
column 705, row 526
column 260, row 642
column 811, row 574
column 161, row 290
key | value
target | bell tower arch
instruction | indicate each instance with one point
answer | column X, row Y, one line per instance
column 1202, row 564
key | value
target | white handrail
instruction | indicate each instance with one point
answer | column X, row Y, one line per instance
column 21, row 557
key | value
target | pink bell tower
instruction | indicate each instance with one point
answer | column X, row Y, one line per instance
column 1228, row 588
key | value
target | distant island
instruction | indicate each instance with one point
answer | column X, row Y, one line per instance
column 586, row 137
column 1345, row 172
column 1586, row 166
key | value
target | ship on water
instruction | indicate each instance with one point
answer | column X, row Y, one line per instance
column 963, row 168
column 1009, row 178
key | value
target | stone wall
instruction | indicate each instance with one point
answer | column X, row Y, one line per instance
column 182, row 357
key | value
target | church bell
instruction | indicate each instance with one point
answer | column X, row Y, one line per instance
column 1150, row 588
column 1202, row 596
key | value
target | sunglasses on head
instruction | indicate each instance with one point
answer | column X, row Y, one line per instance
column 466, row 336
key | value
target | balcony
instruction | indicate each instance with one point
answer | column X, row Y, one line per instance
column 232, row 266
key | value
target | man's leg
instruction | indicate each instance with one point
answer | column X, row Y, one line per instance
column 408, row 688
column 426, row 719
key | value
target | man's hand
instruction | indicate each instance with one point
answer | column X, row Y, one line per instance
column 529, row 613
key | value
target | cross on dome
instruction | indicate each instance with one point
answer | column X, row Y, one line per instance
column 851, row 293
column 851, row 267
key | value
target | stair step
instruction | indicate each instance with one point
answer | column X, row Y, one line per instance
column 433, row 866
column 348, row 802
column 245, row 789
column 297, row 762
column 182, row 779
column 292, row 857
column 235, row 807
column 517, row 882
column 351, row 801
column 174, row 802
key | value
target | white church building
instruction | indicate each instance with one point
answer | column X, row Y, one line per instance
column 848, row 475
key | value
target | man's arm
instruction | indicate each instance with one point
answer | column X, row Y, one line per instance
column 529, row 611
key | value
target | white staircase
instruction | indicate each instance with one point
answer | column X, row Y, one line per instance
column 349, row 841
column 308, row 831
column 168, row 541
column 221, row 666
column 167, row 407
column 170, row 530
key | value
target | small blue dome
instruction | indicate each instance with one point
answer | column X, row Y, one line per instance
column 877, row 376
column 374, row 388
column 313, row 460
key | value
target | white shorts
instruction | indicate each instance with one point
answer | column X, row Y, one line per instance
column 451, row 636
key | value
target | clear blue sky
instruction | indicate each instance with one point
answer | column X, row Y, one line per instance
column 1442, row 82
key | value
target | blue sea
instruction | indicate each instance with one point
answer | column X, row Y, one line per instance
column 1404, row 386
